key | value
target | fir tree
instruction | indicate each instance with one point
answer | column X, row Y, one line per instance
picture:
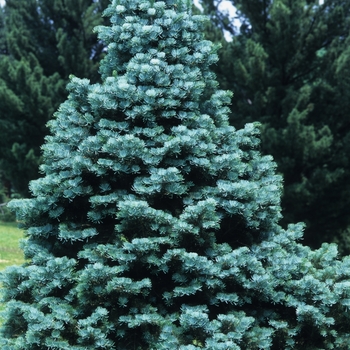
column 155, row 225
column 46, row 41
column 288, row 69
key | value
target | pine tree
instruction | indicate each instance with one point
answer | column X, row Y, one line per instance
column 2, row 32
column 46, row 41
column 284, row 69
column 155, row 225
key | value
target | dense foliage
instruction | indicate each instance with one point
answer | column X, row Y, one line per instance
column 288, row 67
column 155, row 225
column 42, row 42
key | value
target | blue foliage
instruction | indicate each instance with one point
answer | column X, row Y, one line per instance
column 155, row 225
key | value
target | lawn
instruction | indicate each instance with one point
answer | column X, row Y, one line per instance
column 10, row 253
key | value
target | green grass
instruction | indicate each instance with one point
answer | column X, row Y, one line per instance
column 10, row 253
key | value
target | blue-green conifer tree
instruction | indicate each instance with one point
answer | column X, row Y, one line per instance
column 155, row 224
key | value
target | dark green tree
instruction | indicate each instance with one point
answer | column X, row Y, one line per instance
column 46, row 41
column 287, row 67
column 2, row 32
column 155, row 225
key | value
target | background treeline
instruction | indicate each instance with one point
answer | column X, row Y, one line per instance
column 42, row 43
column 288, row 65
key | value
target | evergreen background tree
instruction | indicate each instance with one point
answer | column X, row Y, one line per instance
column 155, row 225
column 45, row 41
column 287, row 67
